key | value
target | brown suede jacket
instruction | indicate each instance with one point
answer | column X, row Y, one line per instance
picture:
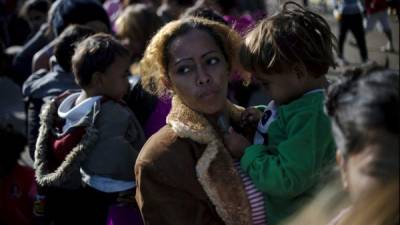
column 185, row 176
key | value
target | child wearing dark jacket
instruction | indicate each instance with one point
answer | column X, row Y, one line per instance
column 89, row 140
column 43, row 85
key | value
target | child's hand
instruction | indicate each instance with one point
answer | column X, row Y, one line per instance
column 235, row 143
column 250, row 117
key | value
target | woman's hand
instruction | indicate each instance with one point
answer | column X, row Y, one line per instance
column 235, row 143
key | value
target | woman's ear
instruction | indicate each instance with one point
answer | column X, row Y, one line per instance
column 343, row 169
column 166, row 81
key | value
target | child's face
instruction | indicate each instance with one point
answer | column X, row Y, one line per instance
column 114, row 81
column 283, row 87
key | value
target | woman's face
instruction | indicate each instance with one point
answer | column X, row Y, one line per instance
column 198, row 72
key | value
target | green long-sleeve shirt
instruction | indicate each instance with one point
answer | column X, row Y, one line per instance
column 300, row 145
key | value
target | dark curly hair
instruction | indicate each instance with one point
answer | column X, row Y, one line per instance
column 362, row 105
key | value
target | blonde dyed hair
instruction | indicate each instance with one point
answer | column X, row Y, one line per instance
column 294, row 35
column 154, row 64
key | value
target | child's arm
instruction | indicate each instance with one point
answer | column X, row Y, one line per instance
column 235, row 142
column 291, row 167
column 250, row 117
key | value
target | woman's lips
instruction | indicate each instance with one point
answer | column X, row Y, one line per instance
column 208, row 94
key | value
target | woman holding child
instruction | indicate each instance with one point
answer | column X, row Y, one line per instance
column 192, row 171
column 184, row 173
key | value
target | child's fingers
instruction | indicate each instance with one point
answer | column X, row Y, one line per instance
column 250, row 114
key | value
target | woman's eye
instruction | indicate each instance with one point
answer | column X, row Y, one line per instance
column 213, row 61
column 183, row 69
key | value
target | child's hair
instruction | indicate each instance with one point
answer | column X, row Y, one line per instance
column 361, row 106
column 66, row 43
column 95, row 54
column 12, row 144
column 294, row 35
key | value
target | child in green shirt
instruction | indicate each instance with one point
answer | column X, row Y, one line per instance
column 289, row 54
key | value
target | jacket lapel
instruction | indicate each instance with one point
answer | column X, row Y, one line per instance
column 215, row 169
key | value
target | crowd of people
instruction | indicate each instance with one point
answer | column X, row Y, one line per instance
column 142, row 112
column 361, row 17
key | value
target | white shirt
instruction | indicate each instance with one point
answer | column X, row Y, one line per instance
column 74, row 113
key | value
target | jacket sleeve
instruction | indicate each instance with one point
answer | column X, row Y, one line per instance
column 163, row 203
column 29, row 84
column 291, row 167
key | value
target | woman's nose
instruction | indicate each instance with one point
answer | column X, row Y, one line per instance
column 202, row 76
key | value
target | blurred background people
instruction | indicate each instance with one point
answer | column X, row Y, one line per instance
column 44, row 85
column 17, row 182
column 350, row 18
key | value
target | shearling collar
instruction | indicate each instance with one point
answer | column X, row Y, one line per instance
column 215, row 169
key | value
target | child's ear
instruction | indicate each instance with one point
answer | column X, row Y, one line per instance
column 300, row 70
column 343, row 170
column 97, row 79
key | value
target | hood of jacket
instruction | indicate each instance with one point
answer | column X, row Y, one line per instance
column 67, row 174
